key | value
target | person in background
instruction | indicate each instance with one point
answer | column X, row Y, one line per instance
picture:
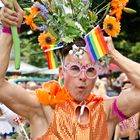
column 15, row 121
column 100, row 88
column 31, row 85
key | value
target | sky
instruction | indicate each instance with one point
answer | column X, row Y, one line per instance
column 0, row 4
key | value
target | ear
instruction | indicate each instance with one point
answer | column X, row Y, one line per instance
column 61, row 75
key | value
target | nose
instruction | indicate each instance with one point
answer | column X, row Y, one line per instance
column 82, row 75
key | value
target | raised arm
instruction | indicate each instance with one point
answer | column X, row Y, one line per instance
column 128, row 101
column 130, row 67
column 13, row 96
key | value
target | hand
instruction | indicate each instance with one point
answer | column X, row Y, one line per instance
column 110, row 43
column 111, row 47
column 8, row 16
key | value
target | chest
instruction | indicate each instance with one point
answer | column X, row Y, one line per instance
column 91, row 125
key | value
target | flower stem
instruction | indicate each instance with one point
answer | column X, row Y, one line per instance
column 106, row 11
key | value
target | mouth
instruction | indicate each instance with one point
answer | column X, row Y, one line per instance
column 81, row 87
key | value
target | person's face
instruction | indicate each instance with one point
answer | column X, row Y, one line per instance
column 80, row 86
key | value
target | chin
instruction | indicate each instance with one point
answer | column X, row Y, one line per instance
column 80, row 98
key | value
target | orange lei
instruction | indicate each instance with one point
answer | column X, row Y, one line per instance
column 51, row 94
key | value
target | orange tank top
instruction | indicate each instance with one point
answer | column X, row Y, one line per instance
column 65, row 125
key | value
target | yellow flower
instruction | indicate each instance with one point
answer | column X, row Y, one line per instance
column 46, row 39
column 111, row 26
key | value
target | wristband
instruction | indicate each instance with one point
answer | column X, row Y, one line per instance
column 8, row 30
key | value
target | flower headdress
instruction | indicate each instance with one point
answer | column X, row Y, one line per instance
column 63, row 21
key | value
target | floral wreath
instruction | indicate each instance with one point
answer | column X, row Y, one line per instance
column 62, row 21
column 65, row 20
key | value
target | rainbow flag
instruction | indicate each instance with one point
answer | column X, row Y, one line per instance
column 50, row 56
column 96, row 44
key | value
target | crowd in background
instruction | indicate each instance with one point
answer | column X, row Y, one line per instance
column 105, row 87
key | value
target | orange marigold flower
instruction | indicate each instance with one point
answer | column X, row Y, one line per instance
column 111, row 26
column 118, row 3
column 46, row 39
column 35, row 11
column 118, row 6
column 29, row 21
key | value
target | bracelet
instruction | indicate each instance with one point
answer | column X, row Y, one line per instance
column 8, row 30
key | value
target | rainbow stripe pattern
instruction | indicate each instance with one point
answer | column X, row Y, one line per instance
column 50, row 56
column 96, row 44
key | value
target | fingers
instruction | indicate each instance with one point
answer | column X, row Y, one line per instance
column 19, row 11
column 17, row 7
column 109, row 43
column 8, row 16
column 108, row 39
column 7, row 4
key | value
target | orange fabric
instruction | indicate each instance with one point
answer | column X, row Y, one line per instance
column 51, row 94
column 66, row 127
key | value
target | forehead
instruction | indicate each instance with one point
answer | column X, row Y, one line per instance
column 85, row 60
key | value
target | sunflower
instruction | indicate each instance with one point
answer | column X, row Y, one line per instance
column 46, row 39
column 111, row 26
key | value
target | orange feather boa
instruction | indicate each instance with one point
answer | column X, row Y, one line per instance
column 51, row 94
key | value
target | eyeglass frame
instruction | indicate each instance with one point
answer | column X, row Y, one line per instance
column 82, row 68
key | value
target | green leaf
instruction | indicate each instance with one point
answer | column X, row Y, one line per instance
column 67, row 39
column 72, row 31
column 129, row 10
column 93, row 17
column 52, row 32
column 76, row 2
column 70, row 22
column 85, row 23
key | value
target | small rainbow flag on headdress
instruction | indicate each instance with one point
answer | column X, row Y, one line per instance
column 50, row 55
column 96, row 44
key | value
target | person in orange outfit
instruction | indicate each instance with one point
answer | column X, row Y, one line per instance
column 69, row 112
